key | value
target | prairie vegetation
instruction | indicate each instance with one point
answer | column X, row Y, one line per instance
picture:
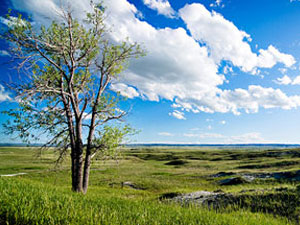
column 138, row 187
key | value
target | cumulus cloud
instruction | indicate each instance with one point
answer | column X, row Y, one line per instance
column 248, row 100
column 162, row 7
column 286, row 80
column 4, row 96
column 178, row 115
column 125, row 90
column 177, row 67
column 227, row 42
column 296, row 81
column 256, row 96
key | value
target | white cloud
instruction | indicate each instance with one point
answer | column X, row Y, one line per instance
column 217, row 3
column 252, row 137
column 227, row 42
column 4, row 53
column 256, row 96
column 124, row 90
column 162, row 7
column 178, row 115
column 296, row 81
column 87, row 116
column 190, row 135
column 227, row 69
column 286, row 80
column 204, row 135
column 45, row 11
column 283, row 70
column 4, row 21
column 163, row 72
column 268, row 58
column 177, row 67
column 249, row 100
column 166, row 134
column 4, row 96
column 223, row 122
column 12, row 21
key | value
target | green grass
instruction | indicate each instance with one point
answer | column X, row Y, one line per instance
column 43, row 195
column 24, row 202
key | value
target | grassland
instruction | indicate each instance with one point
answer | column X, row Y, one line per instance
column 43, row 196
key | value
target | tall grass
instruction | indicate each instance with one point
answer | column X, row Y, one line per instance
column 30, row 202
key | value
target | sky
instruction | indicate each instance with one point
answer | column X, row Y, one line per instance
column 216, row 71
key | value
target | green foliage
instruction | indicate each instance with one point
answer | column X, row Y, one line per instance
column 69, row 66
column 110, row 140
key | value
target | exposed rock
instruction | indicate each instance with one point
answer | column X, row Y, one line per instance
column 257, row 175
column 289, row 175
column 280, row 189
column 249, row 177
column 205, row 198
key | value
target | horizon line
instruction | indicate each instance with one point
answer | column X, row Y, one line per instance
column 170, row 144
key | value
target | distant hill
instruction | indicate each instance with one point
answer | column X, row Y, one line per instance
column 20, row 145
column 220, row 145
column 177, row 145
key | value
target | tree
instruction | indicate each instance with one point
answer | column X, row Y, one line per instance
column 65, row 94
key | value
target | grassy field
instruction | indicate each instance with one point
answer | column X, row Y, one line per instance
column 43, row 196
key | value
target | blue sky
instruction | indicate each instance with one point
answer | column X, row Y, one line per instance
column 215, row 72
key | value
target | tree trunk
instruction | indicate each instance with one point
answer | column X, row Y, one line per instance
column 73, row 170
column 77, row 176
column 87, row 165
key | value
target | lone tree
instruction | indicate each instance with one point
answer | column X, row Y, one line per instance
column 65, row 93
